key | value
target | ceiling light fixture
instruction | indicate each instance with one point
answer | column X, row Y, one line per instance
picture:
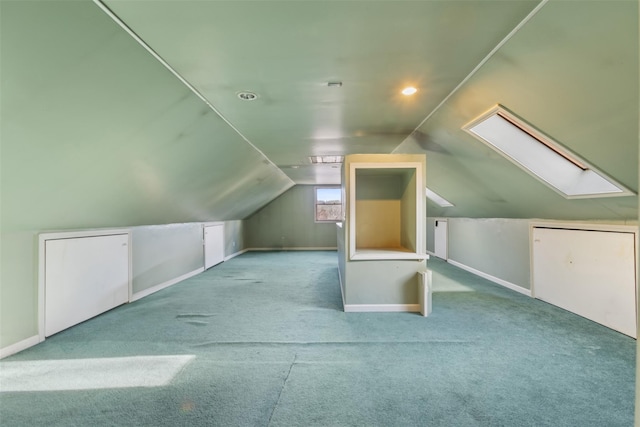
column 409, row 90
column 247, row 96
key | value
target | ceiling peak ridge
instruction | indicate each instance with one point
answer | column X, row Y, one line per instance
column 153, row 53
column 502, row 42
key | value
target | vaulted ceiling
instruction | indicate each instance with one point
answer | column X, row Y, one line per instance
column 126, row 112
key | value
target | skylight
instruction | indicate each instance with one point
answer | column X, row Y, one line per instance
column 542, row 157
column 438, row 200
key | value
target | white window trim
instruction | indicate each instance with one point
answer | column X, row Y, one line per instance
column 315, row 204
column 544, row 139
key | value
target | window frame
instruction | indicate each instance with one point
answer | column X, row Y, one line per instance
column 315, row 204
column 563, row 154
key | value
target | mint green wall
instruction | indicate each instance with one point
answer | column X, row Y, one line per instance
column 97, row 133
column 499, row 247
column 161, row 253
column 288, row 222
column 233, row 237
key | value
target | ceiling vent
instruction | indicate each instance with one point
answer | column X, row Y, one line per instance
column 326, row 159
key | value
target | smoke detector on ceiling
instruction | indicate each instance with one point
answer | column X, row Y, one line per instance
column 247, row 96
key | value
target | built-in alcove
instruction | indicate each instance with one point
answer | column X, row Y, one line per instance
column 381, row 244
column 386, row 208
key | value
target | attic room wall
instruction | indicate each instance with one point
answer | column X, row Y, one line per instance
column 497, row 247
column 572, row 72
column 96, row 134
column 288, row 222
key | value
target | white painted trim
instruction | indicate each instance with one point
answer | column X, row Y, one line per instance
column 44, row 236
column 161, row 286
column 433, row 254
column 334, row 248
column 361, row 308
column 19, row 346
column 494, row 279
column 233, row 255
column 420, row 237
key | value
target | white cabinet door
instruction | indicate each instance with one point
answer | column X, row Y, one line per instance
column 590, row 273
column 440, row 239
column 83, row 278
column 213, row 245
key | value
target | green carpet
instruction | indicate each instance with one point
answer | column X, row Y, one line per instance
column 262, row 340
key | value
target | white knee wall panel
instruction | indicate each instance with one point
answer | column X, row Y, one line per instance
column 84, row 277
column 590, row 273
column 213, row 245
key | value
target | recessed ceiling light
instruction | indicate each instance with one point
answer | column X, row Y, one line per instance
column 409, row 90
column 295, row 167
column 247, row 96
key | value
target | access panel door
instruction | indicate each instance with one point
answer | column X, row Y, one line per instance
column 440, row 239
column 213, row 245
column 590, row 273
column 84, row 277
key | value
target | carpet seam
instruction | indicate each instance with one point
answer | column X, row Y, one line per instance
column 284, row 384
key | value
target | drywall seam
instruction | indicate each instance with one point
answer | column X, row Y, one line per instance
column 19, row 346
column 154, row 289
column 494, row 279
column 484, row 60
column 153, row 53
column 355, row 308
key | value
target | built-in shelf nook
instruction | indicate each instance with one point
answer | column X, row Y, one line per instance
column 381, row 244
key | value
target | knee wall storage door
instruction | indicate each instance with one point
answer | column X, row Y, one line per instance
column 84, row 277
column 590, row 273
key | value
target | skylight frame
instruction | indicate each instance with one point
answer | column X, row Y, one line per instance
column 437, row 199
column 563, row 155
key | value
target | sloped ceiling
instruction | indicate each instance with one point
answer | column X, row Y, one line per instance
column 97, row 132
column 572, row 72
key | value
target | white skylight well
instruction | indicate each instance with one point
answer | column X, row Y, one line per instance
column 542, row 157
column 438, row 200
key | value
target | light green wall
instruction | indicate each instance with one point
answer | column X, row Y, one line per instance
column 498, row 247
column 97, row 133
column 233, row 237
column 288, row 222
column 164, row 252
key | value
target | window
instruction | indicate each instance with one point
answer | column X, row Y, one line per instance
column 328, row 204
column 542, row 157
column 438, row 199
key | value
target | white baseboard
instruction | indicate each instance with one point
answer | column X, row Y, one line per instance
column 233, row 255
column 19, row 346
column 494, row 279
column 161, row 286
column 353, row 308
column 431, row 253
column 294, row 249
